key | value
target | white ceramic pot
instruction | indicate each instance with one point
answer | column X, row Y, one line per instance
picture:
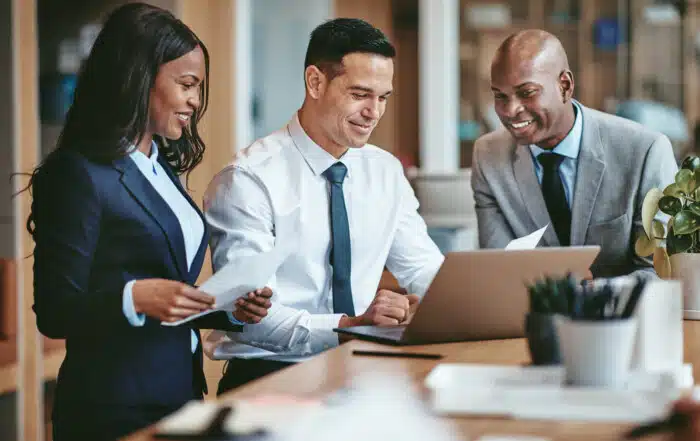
column 686, row 268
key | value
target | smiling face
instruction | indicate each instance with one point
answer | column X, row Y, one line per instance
column 175, row 96
column 348, row 107
column 532, row 98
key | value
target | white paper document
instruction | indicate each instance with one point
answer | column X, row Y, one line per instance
column 528, row 242
column 244, row 274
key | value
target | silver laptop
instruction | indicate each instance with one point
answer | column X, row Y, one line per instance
column 480, row 295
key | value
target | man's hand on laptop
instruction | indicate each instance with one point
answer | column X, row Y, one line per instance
column 387, row 309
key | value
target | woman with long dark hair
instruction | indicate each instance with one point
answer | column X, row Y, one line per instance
column 119, row 243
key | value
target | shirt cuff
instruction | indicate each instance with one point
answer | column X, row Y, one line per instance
column 128, row 307
column 322, row 334
column 233, row 319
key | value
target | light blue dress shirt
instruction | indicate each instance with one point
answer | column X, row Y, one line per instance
column 569, row 147
column 190, row 222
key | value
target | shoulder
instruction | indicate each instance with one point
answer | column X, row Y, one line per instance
column 494, row 147
column 64, row 167
column 249, row 166
column 622, row 133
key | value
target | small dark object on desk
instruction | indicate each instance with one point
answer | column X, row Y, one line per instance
column 674, row 421
column 214, row 432
column 397, row 354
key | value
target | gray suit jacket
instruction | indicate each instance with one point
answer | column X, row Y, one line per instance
column 619, row 161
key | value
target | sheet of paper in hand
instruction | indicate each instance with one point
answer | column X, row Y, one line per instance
column 244, row 274
column 528, row 242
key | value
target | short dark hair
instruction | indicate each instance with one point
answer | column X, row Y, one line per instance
column 334, row 39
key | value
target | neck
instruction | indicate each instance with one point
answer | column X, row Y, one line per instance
column 144, row 145
column 567, row 124
column 309, row 122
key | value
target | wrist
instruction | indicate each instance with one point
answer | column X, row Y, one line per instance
column 136, row 297
column 347, row 322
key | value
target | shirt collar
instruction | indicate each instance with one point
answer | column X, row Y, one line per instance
column 571, row 145
column 315, row 156
column 138, row 156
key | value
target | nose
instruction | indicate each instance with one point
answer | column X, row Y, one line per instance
column 512, row 107
column 372, row 110
column 194, row 100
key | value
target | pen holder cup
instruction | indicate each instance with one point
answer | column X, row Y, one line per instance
column 596, row 353
column 542, row 339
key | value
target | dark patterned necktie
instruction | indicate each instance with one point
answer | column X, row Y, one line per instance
column 555, row 197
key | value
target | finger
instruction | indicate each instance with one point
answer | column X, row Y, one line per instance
column 253, row 309
column 392, row 312
column 392, row 298
column 186, row 302
column 198, row 295
column 264, row 292
column 246, row 317
column 385, row 321
column 412, row 299
column 177, row 313
column 260, row 301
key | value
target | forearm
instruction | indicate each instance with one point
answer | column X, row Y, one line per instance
column 291, row 331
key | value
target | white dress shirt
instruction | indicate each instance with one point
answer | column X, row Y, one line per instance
column 190, row 222
column 281, row 173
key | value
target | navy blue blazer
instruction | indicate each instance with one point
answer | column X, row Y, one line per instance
column 98, row 226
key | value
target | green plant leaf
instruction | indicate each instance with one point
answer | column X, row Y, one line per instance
column 657, row 228
column 669, row 205
column 685, row 179
column 691, row 163
column 686, row 222
column 673, row 190
column 694, row 207
column 650, row 206
column 677, row 243
column 644, row 246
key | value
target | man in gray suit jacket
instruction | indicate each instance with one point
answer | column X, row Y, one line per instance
column 558, row 162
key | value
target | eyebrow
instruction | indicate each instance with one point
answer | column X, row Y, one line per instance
column 368, row 90
column 193, row 76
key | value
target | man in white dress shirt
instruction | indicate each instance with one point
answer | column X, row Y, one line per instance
column 356, row 212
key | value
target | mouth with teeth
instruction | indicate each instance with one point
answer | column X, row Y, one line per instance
column 520, row 125
column 363, row 128
column 184, row 118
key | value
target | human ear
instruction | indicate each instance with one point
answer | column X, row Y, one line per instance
column 315, row 81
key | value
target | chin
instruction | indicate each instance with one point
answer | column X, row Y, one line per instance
column 174, row 135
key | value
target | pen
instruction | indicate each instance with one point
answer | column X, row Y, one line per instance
column 396, row 354
column 673, row 421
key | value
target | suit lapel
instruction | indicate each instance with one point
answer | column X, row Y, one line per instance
column 198, row 260
column 153, row 204
column 531, row 192
column 589, row 175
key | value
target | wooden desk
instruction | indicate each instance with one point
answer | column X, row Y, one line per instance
column 336, row 368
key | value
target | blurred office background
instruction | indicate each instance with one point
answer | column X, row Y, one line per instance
column 636, row 58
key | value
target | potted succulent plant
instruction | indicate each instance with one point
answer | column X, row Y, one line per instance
column 548, row 298
column 676, row 245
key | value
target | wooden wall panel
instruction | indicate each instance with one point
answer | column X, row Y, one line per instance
column 379, row 14
column 26, row 147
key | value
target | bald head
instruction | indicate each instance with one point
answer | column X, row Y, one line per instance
column 534, row 47
column 533, row 87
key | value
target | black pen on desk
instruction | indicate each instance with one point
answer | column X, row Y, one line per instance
column 672, row 422
column 396, row 354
